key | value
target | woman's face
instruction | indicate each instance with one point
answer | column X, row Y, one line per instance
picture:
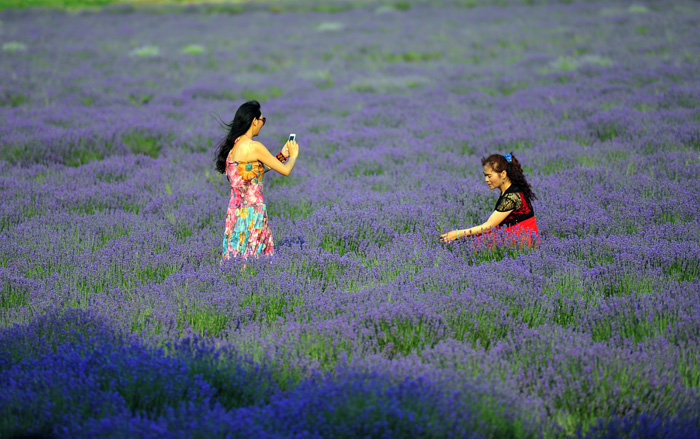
column 258, row 123
column 493, row 179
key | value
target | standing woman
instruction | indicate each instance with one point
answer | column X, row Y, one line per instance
column 244, row 161
column 513, row 208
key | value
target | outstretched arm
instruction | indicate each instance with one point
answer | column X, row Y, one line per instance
column 494, row 220
column 261, row 153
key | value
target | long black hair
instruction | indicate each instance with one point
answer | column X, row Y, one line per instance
column 238, row 126
column 513, row 170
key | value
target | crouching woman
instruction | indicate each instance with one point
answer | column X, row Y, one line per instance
column 513, row 214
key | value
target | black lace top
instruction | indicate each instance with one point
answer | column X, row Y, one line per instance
column 514, row 199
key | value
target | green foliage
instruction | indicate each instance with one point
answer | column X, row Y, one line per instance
column 194, row 49
column 331, row 7
column 632, row 327
column 261, row 95
column 690, row 370
column 140, row 143
column 325, row 84
column 384, row 84
column 12, row 99
column 569, row 63
column 368, row 169
column 289, row 209
column 145, row 51
column 683, row 270
column 254, row 387
column 84, row 154
column 140, row 99
column 214, row 8
column 270, row 307
column 402, row 337
column 322, row 348
column 491, row 251
column 402, row 5
column 12, row 295
column 330, row 26
column 606, row 132
column 144, row 322
column 480, row 329
column 204, row 320
column 637, row 9
column 14, row 46
column 504, row 89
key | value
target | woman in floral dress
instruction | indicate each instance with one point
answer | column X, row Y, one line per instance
column 244, row 161
column 513, row 209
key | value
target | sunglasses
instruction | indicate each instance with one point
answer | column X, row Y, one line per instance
column 264, row 119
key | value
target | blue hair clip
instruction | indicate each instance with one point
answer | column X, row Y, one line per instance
column 509, row 158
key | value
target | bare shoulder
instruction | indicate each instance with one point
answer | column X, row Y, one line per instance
column 256, row 146
column 246, row 151
column 257, row 149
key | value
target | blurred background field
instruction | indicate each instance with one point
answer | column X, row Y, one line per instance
column 274, row 5
column 77, row 4
column 117, row 319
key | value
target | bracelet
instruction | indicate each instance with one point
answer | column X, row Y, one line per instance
column 281, row 157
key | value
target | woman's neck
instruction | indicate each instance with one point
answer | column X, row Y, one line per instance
column 505, row 186
column 246, row 136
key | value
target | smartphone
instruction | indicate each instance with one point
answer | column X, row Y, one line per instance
column 292, row 137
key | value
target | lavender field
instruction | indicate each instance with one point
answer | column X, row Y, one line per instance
column 117, row 320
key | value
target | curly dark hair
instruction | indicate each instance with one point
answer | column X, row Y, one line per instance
column 514, row 171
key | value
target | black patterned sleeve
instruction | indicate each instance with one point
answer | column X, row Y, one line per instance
column 508, row 202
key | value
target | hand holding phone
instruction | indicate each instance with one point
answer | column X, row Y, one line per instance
column 291, row 145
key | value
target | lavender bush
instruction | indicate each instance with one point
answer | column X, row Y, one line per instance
column 118, row 321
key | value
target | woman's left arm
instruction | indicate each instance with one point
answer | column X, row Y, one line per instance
column 494, row 220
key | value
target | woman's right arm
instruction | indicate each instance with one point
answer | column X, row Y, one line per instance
column 494, row 220
column 261, row 153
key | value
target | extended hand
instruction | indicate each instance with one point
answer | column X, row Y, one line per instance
column 292, row 147
column 449, row 236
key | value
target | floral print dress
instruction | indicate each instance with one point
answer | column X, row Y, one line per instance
column 246, row 232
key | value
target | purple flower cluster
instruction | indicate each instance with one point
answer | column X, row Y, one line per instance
column 117, row 319
column 81, row 379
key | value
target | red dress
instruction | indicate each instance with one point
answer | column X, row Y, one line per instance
column 520, row 224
